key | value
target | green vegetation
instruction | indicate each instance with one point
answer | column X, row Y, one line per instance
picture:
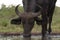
column 8, row 13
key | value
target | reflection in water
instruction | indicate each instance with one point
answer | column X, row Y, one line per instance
column 27, row 38
column 32, row 38
column 46, row 38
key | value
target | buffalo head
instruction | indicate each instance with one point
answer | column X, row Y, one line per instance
column 27, row 19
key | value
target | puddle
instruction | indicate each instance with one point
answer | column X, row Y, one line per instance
column 51, row 37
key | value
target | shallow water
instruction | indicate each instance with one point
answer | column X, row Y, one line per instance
column 54, row 37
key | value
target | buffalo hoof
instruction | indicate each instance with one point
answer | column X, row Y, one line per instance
column 49, row 31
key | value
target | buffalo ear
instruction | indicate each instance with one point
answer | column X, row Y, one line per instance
column 16, row 21
column 38, row 21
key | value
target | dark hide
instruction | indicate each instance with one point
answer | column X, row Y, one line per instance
column 47, row 13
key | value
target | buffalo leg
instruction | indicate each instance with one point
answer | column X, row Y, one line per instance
column 44, row 26
column 50, row 18
column 44, row 23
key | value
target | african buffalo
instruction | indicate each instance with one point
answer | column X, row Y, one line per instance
column 48, row 7
column 34, row 6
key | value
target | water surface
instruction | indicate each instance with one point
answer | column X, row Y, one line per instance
column 52, row 37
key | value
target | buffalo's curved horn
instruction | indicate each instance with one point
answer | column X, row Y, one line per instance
column 17, row 11
column 38, row 13
column 38, row 6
